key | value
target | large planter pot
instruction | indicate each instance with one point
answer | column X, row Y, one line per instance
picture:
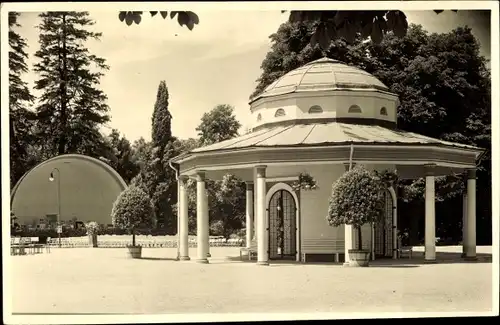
column 134, row 251
column 359, row 258
column 93, row 240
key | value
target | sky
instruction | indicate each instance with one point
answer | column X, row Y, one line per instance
column 217, row 62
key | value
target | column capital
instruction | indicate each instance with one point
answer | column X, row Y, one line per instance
column 430, row 169
column 471, row 173
column 183, row 179
column 249, row 186
column 261, row 171
column 200, row 176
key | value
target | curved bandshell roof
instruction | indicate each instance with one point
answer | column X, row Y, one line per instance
column 320, row 75
column 88, row 189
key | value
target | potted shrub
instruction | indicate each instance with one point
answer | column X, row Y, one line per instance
column 131, row 210
column 357, row 199
column 92, row 229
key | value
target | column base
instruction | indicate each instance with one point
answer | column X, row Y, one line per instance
column 430, row 261
column 202, row 261
column 346, row 264
column 463, row 255
column 184, row 258
column 262, row 263
column 209, row 255
column 470, row 258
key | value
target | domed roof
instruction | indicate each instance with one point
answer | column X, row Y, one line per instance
column 320, row 75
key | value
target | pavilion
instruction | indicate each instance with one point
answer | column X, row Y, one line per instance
column 316, row 120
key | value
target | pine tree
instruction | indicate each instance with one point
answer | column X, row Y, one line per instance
column 19, row 97
column 71, row 108
column 157, row 178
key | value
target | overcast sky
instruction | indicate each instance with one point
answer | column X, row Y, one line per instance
column 216, row 63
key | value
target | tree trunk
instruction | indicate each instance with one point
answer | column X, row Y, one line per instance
column 133, row 237
column 360, row 242
column 64, row 72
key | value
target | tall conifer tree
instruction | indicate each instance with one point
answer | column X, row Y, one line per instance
column 19, row 97
column 156, row 177
column 71, row 107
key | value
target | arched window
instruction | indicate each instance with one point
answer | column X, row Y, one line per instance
column 354, row 109
column 279, row 112
column 315, row 109
column 383, row 111
column 259, row 117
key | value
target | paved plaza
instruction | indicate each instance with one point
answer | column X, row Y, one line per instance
column 99, row 280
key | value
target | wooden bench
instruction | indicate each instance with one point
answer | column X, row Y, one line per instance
column 322, row 246
column 250, row 251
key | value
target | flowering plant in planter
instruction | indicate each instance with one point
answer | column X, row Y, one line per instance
column 357, row 199
column 305, row 182
column 92, row 228
column 131, row 210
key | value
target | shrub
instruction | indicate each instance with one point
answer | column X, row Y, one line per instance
column 357, row 199
column 92, row 228
column 131, row 210
column 217, row 228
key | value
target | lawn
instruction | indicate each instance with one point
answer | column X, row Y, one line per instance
column 91, row 280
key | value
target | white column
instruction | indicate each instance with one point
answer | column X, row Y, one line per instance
column 430, row 214
column 470, row 246
column 394, row 223
column 201, row 219
column 183, row 219
column 464, row 222
column 249, row 213
column 260, row 196
column 208, row 222
column 348, row 235
column 373, row 241
column 255, row 219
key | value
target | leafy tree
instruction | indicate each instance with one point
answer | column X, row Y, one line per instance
column 71, row 108
column 20, row 97
column 332, row 24
column 335, row 24
column 122, row 156
column 156, row 177
column 187, row 18
column 226, row 197
column 141, row 152
column 131, row 210
column 357, row 199
column 218, row 125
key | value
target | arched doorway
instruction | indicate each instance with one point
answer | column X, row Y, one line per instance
column 383, row 240
column 282, row 226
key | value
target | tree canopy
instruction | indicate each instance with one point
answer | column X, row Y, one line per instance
column 156, row 176
column 71, row 108
column 218, row 125
column 20, row 98
column 330, row 24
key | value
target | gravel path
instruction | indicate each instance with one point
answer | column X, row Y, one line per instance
column 93, row 280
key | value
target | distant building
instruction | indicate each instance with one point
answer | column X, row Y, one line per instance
column 88, row 188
